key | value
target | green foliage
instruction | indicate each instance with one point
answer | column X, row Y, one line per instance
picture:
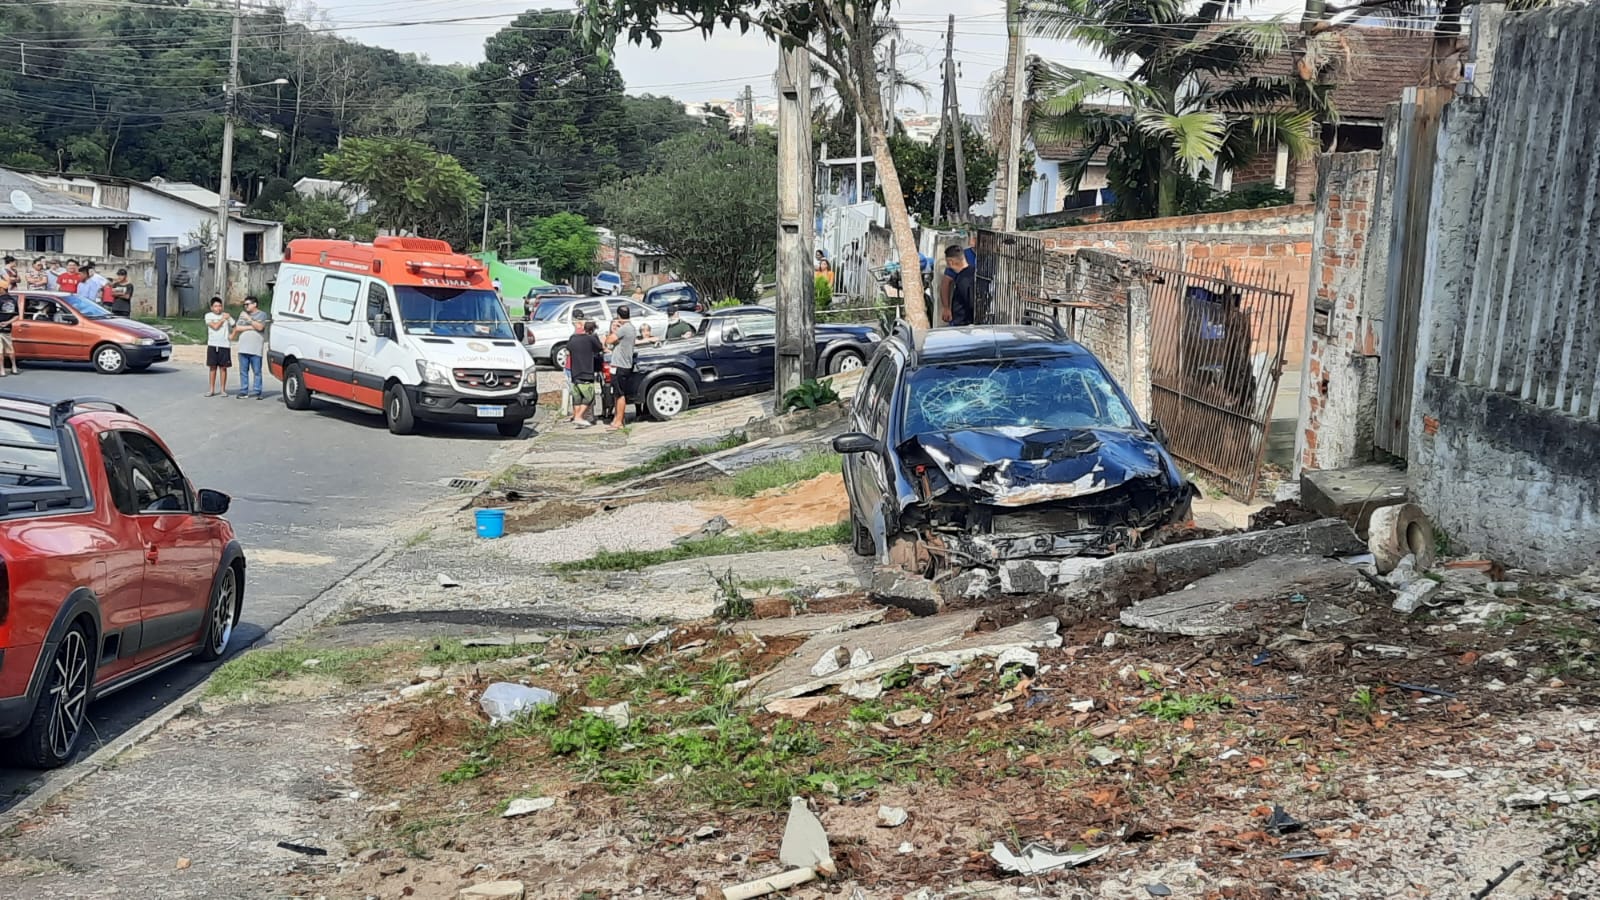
column 708, row 203
column 781, row 473
column 1251, row 196
column 1365, row 700
column 822, row 292
column 564, row 244
column 811, row 394
column 732, row 604
column 918, row 165
column 256, row 669
column 720, row 545
column 670, row 457
column 728, row 303
column 1175, row 707
column 412, row 187
column 319, row 217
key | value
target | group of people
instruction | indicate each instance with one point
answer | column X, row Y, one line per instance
column 71, row 277
column 587, row 354
column 249, row 330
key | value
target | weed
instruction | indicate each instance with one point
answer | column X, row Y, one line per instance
column 600, row 685
column 1507, row 620
column 781, row 473
column 1010, row 678
column 1175, row 707
column 720, row 545
column 766, row 585
column 869, row 712
column 450, row 652
column 473, row 767
column 670, row 457
column 810, row 394
column 417, row 539
column 1365, row 700
column 732, row 605
column 898, row 678
column 587, row 735
column 255, row 668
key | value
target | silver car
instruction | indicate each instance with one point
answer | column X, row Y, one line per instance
column 550, row 327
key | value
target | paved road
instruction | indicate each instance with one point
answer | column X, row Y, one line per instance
column 315, row 494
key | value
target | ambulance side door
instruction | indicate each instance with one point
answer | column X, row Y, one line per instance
column 376, row 343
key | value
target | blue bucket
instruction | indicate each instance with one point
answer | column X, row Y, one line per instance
column 491, row 523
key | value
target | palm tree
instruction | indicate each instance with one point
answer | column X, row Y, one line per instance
column 1197, row 96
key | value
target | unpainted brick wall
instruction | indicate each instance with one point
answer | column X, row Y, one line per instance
column 1112, row 317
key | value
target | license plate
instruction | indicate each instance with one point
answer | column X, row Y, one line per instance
column 164, row 354
column 491, row 412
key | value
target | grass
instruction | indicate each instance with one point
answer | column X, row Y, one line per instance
column 782, row 472
column 670, row 457
column 718, row 545
column 257, row 668
column 184, row 330
column 1175, row 707
column 451, row 652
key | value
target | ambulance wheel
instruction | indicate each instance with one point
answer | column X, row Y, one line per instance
column 397, row 411
column 295, row 393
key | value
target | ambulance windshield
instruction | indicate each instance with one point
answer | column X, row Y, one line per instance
column 452, row 312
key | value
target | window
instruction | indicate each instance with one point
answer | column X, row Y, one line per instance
column 377, row 301
column 116, row 463
column 252, row 246
column 1037, row 394
column 44, row 240
column 591, row 311
column 29, row 455
column 338, row 303
column 158, row 485
column 751, row 328
column 880, row 391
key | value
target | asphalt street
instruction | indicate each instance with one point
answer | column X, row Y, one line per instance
column 315, row 494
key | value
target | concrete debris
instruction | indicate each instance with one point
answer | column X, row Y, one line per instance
column 1021, row 576
column 502, row 701
column 1111, row 640
column 522, row 806
column 1320, row 614
column 618, row 714
column 891, row 816
column 1230, row 753
column 1353, row 494
column 1386, row 651
column 1022, row 657
column 1239, row 600
column 805, row 844
column 1081, row 706
column 1036, row 859
column 1395, row 532
column 632, row 641
column 905, row 718
column 430, row 673
column 906, row 848
column 913, row 593
column 1158, row 890
column 706, row 832
column 870, row 689
column 1450, row 774
column 859, row 657
column 311, row 663
column 413, row 691
column 1534, row 799
column 710, row 529
column 970, row 584
column 796, row 707
column 512, row 640
column 1104, row 756
column 809, row 624
column 1310, row 656
column 445, row 581
column 832, row 660
column 493, row 890
column 1105, row 729
column 1403, row 573
column 1505, row 588
column 1415, row 594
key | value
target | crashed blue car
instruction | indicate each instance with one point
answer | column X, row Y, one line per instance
column 972, row 446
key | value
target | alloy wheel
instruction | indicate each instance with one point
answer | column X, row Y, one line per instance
column 223, row 615
column 70, row 693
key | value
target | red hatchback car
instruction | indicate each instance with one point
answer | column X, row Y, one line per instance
column 112, row 567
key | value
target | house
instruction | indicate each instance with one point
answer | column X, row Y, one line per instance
column 641, row 266
column 354, row 197
column 174, row 213
column 38, row 219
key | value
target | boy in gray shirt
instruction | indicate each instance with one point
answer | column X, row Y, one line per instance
column 251, row 333
column 621, row 343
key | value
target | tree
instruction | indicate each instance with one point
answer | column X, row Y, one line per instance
column 840, row 35
column 318, row 217
column 918, row 164
column 412, row 188
column 564, row 244
column 708, row 205
column 1196, row 97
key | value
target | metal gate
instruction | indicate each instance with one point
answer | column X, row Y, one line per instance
column 1217, row 337
column 1010, row 276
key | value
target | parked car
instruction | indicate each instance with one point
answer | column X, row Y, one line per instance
column 551, row 326
column 114, row 567
column 975, row 445
column 535, row 293
column 59, row 327
column 677, row 295
column 607, row 284
column 734, row 352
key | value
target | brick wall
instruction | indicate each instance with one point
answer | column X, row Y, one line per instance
column 1113, row 316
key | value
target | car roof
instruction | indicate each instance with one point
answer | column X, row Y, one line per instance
column 992, row 342
column 750, row 309
column 38, row 412
column 671, row 286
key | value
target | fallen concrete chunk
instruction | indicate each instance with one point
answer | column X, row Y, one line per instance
column 910, row 592
column 832, row 660
column 891, row 816
column 905, row 718
column 1352, row 494
column 1533, row 799
column 1238, row 600
column 811, row 623
column 1415, row 594
column 805, row 844
column 1395, row 532
column 968, row 585
column 1320, row 614
column 445, row 581
column 618, row 714
column 871, row 689
column 523, row 806
column 1017, row 656
column 1141, row 574
column 493, row 890
column 1021, row 576
column 859, row 657
column 508, row 640
column 1104, row 756
column 1036, row 859
column 796, row 707
column 413, row 691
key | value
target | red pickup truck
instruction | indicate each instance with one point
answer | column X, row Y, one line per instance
column 112, row 567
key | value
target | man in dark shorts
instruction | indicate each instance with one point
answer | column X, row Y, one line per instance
column 585, row 355
column 962, row 290
column 621, row 342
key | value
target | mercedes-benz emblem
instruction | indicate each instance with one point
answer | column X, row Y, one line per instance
column 490, row 379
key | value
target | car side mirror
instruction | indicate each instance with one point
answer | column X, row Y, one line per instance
column 214, row 503
column 383, row 327
column 67, row 319
column 1159, row 432
column 855, row 442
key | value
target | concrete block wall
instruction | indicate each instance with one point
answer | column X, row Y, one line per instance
column 1113, row 316
column 1338, row 396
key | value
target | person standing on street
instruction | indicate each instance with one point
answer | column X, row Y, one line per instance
column 621, row 341
column 52, row 274
column 93, row 287
column 8, row 311
column 959, row 295
column 566, row 365
column 68, row 281
column 12, row 276
column 122, row 295
column 251, row 333
column 38, row 276
column 585, row 355
column 219, row 351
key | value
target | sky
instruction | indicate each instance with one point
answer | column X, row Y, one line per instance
column 689, row 67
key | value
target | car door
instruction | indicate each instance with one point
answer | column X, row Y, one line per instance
column 372, row 349
column 181, row 548
column 47, row 330
column 746, row 359
column 870, row 479
column 121, row 587
column 337, row 356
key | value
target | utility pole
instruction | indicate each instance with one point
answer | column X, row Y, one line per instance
column 861, row 186
column 796, row 344
column 942, row 138
column 955, row 120
column 225, row 183
column 891, row 91
column 483, row 242
column 749, row 114
column 1016, row 89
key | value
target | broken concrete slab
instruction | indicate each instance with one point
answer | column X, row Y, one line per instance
column 1238, row 600
column 944, row 640
column 1321, row 614
column 912, row 593
column 805, row 843
column 967, row 585
column 1022, row 576
column 1415, row 594
column 1352, row 494
column 809, row 624
column 1142, row 574
column 796, row 707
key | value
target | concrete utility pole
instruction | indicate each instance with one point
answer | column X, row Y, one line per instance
column 483, row 243
column 891, row 91
column 941, row 138
column 749, row 107
column 955, row 122
column 796, row 344
column 225, row 184
column 1017, row 61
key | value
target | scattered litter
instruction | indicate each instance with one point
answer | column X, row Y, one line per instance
column 302, row 848
column 1415, row 594
column 832, row 660
column 1230, row 753
column 1534, row 799
column 1281, row 823
column 905, row 718
column 445, row 581
column 412, row 691
column 1383, row 651
column 1105, row 729
column 1422, row 689
column 633, row 642
column 498, row 640
column 1262, row 658
column 494, row 890
column 906, row 848
column 1036, row 859
column 795, row 707
column 761, row 887
column 1450, row 774
column 1496, row 881
column 1017, row 656
column 1305, row 854
column 522, row 806
column 618, row 714
column 1111, row 639
column 502, row 701
column 892, row 816
column 1158, row 890
column 858, row 690
column 705, row 832
column 805, row 844
column 1104, row 756
column 1081, row 706
column 311, row 663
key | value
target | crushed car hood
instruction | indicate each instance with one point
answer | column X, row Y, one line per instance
column 1015, row 466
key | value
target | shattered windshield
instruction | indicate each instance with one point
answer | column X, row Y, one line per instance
column 451, row 312
column 1035, row 394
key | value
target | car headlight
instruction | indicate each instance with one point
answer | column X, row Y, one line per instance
column 147, row 342
column 432, row 373
column 530, row 376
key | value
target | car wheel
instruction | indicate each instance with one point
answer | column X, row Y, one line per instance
column 109, row 359
column 295, row 393
column 51, row 737
column 508, row 429
column 222, row 616
column 861, row 539
column 665, row 399
column 845, row 361
column 397, row 410
column 558, row 356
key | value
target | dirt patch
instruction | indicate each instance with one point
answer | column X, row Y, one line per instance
column 546, row 515
column 287, row 558
column 818, row 502
column 1284, row 512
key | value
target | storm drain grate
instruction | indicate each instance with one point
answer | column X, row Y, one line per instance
column 463, row 484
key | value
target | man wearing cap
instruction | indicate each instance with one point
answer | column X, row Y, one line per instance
column 621, row 342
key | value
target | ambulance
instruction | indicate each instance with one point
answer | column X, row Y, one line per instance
column 403, row 326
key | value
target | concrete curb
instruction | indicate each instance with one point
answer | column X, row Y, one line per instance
column 312, row 613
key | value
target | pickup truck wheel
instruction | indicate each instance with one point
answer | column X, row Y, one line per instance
column 558, row 356
column 861, row 539
column 295, row 393
column 51, row 738
column 109, row 359
column 221, row 616
column 397, row 411
column 665, row 399
column 508, row 429
column 845, row 361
